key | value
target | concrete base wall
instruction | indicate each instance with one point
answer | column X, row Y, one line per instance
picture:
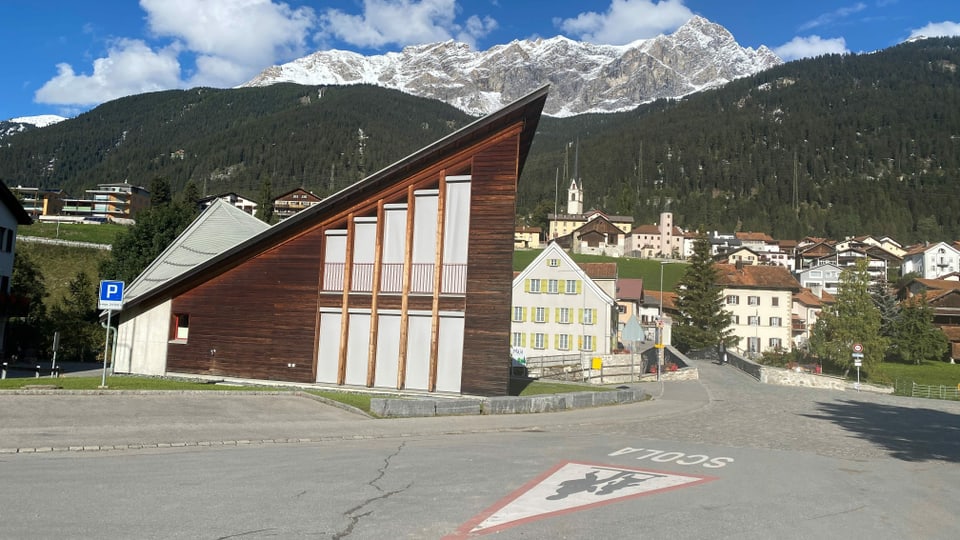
column 398, row 408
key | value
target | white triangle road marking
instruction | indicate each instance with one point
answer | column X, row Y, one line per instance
column 573, row 486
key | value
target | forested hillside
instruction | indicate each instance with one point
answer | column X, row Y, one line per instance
column 230, row 140
column 831, row 146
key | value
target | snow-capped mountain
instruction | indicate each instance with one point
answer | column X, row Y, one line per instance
column 24, row 123
column 583, row 77
column 39, row 121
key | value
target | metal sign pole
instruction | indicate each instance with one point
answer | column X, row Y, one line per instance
column 106, row 349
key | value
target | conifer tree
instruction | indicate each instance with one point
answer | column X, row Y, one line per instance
column 917, row 339
column 703, row 320
column 265, row 205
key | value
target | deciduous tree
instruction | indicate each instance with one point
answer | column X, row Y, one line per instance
column 854, row 318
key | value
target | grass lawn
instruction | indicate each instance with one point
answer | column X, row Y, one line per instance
column 929, row 373
column 60, row 264
column 75, row 232
column 519, row 387
column 647, row 269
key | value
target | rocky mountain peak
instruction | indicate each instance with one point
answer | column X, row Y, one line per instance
column 584, row 78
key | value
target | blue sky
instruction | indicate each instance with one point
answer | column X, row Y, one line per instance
column 65, row 57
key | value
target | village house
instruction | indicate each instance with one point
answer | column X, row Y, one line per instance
column 660, row 240
column 931, row 261
column 558, row 309
column 12, row 215
column 293, row 202
column 527, row 237
column 246, row 205
column 760, row 300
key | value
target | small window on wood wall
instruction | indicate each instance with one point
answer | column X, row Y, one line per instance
column 181, row 326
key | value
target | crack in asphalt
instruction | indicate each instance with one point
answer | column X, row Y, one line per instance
column 352, row 514
column 238, row 535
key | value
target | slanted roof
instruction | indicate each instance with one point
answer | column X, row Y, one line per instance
column 8, row 199
column 523, row 113
column 554, row 251
column 756, row 277
column 807, row 298
column 599, row 270
column 753, row 237
column 630, row 289
column 218, row 228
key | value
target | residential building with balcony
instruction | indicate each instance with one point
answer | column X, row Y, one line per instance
column 294, row 202
column 108, row 201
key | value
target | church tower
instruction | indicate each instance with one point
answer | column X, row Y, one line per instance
column 574, row 198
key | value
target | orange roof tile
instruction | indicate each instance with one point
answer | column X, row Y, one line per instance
column 599, row 270
column 756, row 277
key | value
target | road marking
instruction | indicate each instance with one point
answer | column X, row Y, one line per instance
column 570, row 487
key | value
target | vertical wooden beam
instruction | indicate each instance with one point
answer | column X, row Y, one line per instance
column 405, row 292
column 316, row 328
column 437, row 282
column 345, row 303
column 375, row 297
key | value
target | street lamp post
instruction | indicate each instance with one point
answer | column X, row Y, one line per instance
column 660, row 326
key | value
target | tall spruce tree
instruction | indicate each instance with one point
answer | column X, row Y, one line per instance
column 854, row 318
column 703, row 320
column 917, row 339
column 265, row 207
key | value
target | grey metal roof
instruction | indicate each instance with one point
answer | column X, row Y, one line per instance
column 220, row 227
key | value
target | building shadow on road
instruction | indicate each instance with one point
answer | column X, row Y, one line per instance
column 908, row 433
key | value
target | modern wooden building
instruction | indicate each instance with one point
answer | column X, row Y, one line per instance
column 401, row 281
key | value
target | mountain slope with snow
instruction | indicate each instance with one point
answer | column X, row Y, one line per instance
column 584, row 78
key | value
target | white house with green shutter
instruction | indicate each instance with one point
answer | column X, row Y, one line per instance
column 559, row 310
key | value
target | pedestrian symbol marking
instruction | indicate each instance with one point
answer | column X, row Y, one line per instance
column 573, row 486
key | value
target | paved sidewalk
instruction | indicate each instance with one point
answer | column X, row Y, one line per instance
column 116, row 420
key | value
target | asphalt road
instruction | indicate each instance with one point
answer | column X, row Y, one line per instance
column 723, row 457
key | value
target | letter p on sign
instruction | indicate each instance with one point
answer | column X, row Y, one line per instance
column 111, row 295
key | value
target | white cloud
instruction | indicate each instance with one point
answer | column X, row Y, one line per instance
column 246, row 34
column 940, row 29
column 833, row 16
column 402, row 22
column 130, row 67
column 806, row 47
column 227, row 41
column 626, row 21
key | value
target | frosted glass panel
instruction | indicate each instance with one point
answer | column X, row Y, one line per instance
column 388, row 351
column 357, row 353
column 328, row 355
column 450, row 354
column 418, row 352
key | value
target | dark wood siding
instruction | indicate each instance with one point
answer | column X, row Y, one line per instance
column 258, row 317
column 486, row 347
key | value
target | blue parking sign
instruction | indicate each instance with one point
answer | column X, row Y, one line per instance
column 111, row 295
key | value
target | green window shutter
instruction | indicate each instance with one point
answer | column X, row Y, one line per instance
column 580, row 315
column 526, row 285
column 579, row 286
column 556, row 341
column 523, row 340
column 546, row 314
column 579, row 343
column 524, row 315
column 556, row 314
column 593, row 318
